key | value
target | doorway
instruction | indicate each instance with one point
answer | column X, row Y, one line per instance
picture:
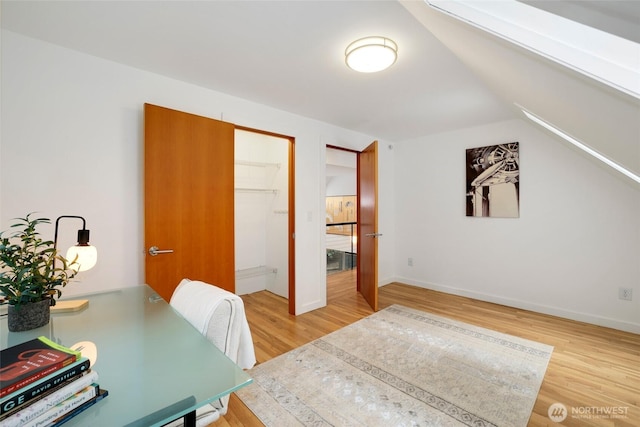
column 341, row 218
column 261, row 183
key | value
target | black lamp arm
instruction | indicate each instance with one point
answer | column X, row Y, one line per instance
column 83, row 235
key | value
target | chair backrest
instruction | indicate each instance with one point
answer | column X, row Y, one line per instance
column 214, row 312
column 223, row 328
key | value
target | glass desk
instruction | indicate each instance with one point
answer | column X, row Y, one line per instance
column 155, row 365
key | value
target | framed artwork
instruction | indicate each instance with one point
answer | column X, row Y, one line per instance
column 493, row 181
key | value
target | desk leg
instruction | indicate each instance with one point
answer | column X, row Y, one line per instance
column 190, row 419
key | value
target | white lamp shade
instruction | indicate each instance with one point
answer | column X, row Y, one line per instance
column 371, row 54
column 87, row 256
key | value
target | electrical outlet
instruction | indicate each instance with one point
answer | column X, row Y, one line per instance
column 625, row 294
column 410, row 262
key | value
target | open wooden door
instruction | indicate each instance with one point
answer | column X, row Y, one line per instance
column 368, row 224
column 188, row 200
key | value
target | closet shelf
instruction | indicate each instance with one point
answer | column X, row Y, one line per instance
column 257, row 164
column 261, row 270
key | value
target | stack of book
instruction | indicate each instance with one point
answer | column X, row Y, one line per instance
column 45, row 384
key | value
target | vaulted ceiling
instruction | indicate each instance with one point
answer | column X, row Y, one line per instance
column 290, row 55
column 595, row 113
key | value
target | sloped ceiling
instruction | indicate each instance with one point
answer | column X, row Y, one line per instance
column 601, row 117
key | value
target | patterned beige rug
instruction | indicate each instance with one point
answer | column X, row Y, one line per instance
column 401, row 367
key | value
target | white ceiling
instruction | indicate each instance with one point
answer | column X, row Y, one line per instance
column 286, row 54
column 290, row 55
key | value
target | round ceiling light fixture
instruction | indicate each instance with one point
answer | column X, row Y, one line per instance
column 371, row 54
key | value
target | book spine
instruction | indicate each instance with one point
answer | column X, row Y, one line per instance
column 13, row 387
column 64, row 407
column 101, row 395
column 42, row 405
column 25, row 363
column 38, row 388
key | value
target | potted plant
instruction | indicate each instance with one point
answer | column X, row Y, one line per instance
column 30, row 280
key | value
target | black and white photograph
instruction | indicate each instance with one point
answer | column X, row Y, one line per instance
column 493, row 181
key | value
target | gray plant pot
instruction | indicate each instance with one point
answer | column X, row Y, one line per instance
column 29, row 316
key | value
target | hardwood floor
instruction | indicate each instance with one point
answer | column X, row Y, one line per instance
column 592, row 369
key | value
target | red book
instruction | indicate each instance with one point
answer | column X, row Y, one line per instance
column 25, row 363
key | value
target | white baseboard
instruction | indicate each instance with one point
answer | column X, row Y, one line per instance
column 525, row 305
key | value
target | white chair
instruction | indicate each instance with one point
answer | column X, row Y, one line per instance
column 219, row 315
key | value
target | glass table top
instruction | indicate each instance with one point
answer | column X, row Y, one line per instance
column 155, row 365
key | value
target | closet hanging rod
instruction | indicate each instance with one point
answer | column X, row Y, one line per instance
column 257, row 164
column 256, row 190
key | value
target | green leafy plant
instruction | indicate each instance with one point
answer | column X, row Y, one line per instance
column 28, row 272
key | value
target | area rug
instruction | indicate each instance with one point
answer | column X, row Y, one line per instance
column 401, row 367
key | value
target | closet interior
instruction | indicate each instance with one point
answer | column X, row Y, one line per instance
column 261, row 213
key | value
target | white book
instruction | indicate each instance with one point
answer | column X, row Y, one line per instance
column 44, row 404
column 64, row 407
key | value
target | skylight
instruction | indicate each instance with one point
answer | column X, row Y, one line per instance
column 610, row 59
column 580, row 145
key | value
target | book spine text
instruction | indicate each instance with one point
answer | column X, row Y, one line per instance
column 36, row 389
column 64, row 407
column 46, row 403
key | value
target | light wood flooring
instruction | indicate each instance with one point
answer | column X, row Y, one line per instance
column 592, row 368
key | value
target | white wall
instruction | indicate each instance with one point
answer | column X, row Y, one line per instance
column 72, row 143
column 342, row 185
column 341, row 171
column 576, row 242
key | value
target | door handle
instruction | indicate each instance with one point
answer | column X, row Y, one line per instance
column 374, row 235
column 153, row 251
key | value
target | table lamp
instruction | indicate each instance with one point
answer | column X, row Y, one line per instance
column 85, row 256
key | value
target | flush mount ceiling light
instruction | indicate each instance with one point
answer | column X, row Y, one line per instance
column 371, row 54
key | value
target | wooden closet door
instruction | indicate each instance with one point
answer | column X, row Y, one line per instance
column 188, row 199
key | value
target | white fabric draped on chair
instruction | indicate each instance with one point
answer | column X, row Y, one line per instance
column 219, row 315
